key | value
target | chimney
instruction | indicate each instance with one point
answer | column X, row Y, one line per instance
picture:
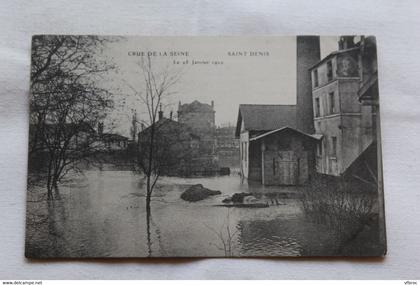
column 308, row 54
column 160, row 112
column 212, row 104
column 346, row 42
column 179, row 105
column 170, row 115
column 100, row 129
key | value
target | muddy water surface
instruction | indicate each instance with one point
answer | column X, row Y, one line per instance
column 102, row 214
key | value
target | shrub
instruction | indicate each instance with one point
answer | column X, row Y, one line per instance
column 340, row 205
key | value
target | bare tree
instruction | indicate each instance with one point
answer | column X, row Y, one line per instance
column 157, row 142
column 153, row 149
column 66, row 102
column 133, row 128
column 226, row 236
column 340, row 206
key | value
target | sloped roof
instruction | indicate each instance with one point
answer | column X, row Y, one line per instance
column 113, row 137
column 163, row 123
column 367, row 85
column 166, row 125
column 265, row 117
column 195, row 106
column 287, row 129
column 333, row 54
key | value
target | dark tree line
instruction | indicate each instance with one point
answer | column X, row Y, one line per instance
column 66, row 102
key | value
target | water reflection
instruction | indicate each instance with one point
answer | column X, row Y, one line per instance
column 103, row 213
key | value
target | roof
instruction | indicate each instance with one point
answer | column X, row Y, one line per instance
column 110, row 136
column 161, row 123
column 372, row 81
column 315, row 137
column 333, row 54
column 195, row 106
column 368, row 158
column 168, row 125
column 265, row 117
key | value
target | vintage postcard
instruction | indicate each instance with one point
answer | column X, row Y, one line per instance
column 204, row 147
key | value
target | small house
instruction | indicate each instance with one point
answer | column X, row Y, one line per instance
column 272, row 150
column 114, row 142
column 286, row 156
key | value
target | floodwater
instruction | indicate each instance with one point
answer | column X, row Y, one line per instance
column 102, row 214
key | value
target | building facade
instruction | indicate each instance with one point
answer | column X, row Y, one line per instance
column 286, row 156
column 227, row 147
column 200, row 118
column 110, row 142
column 369, row 96
column 113, row 142
column 174, row 147
column 343, row 122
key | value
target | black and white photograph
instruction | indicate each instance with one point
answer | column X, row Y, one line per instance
column 204, row 147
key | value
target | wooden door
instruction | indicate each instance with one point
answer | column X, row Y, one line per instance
column 286, row 168
column 303, row 167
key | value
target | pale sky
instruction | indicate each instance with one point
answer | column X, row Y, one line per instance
column 265, row 73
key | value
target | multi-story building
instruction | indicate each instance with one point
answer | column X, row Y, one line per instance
column 227, row 147
column 200, row 118
column 344, row 123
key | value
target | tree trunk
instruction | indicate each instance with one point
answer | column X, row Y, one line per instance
column 149, row 239
column 56, row 191
column 49, row 184
column 52, row 176
column 49, row 192
column 148, row 215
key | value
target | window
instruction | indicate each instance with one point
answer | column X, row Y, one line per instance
column 315, row 78
column 319, row 149
column 332, row 102
column 246, row 151
column 329, row 71
column 317, row 107
column 242, row 151
column 334, row 146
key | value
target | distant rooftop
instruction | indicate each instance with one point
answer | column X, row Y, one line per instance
column 265, row 117
column 169, row 125
column 195, row 106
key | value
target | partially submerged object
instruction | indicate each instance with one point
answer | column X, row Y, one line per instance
column 197, row 192
column 243, row 200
